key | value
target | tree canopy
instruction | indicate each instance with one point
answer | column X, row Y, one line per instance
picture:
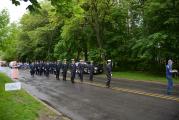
column 135, row 34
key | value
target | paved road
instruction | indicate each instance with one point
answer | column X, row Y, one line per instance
column 141, row 85
column 86, row 102
column 152, row 87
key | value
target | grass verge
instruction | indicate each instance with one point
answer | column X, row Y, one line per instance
column 18, row 105
column 133, row 75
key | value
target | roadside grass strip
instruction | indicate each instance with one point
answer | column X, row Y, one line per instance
column 143, row 76
column 16, row 105
column 19, row 105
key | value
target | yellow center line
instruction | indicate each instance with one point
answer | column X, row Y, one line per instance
column 139, row 92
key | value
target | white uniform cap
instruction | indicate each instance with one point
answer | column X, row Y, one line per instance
column 170, row 61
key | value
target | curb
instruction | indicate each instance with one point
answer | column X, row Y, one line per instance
column 46, row 105
column 49, row 107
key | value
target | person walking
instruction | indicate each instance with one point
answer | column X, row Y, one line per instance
column 91, row 70
column 32, row 69
column 108, row 73
column 73, row 70
column 169, row 72
column 64, row 69
column 15, row 71
column 81, row 69
column 47, row 69
column 57, row 69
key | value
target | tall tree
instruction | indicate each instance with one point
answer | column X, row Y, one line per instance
column 4, row 21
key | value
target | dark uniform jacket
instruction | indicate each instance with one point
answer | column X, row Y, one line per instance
column 91, row 68
column 58, row 67
column 81, row 67
column 73, row 68
column 64, row 67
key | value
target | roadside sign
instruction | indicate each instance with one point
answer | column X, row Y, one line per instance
column 12, row 86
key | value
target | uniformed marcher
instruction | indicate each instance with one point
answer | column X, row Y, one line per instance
column 64, row 69
column 47, row 69
column 81, row 69
column 73, row 70
column 40, row 68
column 50, row 68
column 91, row 70
column 169, row 72
column 53, row 68
column 57, row 69
column 32, row 69
column 43, row 67
column 37, row 68
column 108, row 73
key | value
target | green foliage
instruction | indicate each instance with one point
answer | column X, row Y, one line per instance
column 4, row 20
column 94, row 55
column 135, row 34
column 8, row 35
column 10, row 44
column 141, row 76
column 168, row 25
column 34, row 7
column 38, row 36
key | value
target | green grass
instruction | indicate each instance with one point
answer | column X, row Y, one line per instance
column 141, row 76
column 17, row 105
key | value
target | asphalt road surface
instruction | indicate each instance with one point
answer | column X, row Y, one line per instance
column 81, row 101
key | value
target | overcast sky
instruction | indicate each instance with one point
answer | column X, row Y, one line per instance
column 15, row 12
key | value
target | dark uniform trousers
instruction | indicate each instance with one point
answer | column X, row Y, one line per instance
column 57, row 71
column 91, row 71
column 32, row 70
column 64, row 68
column 81, row 70
column 73, row 72
column 64, row 75
column 108, row 74
column 47, row 70
column 40, row 69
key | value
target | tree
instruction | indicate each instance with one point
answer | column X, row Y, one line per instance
column 4, row 21
column 9, row 46
column 135, row 34
column 39, row 36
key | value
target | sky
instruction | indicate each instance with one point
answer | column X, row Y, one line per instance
column 15, row 12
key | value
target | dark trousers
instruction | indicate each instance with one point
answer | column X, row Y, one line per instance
column 73, row 77
column 40, row 72
column 47, row 73
column 37, row 71
column 57, row 75
column 170, row 84
column 81, row 76
column 32, row 72
column 64, row 75
column 108, row 80
column 91, row 76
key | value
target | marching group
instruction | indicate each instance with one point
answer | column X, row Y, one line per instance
column 46, row 68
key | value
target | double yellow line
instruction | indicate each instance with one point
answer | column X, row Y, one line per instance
column 156, row 95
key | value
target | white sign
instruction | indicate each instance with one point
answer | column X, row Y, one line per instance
column 12, row 86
